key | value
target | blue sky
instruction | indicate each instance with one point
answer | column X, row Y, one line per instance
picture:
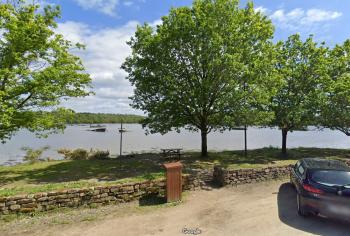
column 105, row 25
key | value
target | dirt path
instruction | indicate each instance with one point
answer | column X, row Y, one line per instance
column 259, row 209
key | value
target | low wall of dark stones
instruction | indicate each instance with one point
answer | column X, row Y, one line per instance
column 242, row 176
column 95, row 195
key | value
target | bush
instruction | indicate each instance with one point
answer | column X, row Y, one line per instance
column 97, row 154
column 33, row 155
column 65, row 152
column 82, row 154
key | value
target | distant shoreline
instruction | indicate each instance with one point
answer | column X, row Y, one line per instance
column 103, row 118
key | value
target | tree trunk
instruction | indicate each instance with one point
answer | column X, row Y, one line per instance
column 204, row 143
column 284, row 141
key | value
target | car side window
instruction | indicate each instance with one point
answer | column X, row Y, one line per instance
column 301, row 170
column 297, row 166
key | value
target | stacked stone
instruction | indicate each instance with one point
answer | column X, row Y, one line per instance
column 235, row 177
column 79, row 197
column 201, row 179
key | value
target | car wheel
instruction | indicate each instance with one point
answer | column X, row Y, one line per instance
column 301, row 210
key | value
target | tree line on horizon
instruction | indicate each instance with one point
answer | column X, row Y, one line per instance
column 212, row 66
column 102, row 118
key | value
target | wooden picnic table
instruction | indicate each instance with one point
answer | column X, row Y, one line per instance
column 172, row 152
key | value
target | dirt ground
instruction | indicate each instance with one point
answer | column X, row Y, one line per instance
column 257, row 209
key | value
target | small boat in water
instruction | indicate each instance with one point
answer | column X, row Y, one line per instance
column 98, row 128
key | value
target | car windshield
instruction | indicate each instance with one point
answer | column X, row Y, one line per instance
column 331, row 177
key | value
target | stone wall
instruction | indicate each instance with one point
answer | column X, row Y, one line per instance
column 199, row 179
column 79, row 197
column 235, row 177
column 94, row 195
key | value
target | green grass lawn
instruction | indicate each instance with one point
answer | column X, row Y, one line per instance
column 58, row 175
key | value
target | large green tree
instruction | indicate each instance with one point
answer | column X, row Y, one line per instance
column 202, row 68
column 302, row 66
column 336, row 109
column 37, row 69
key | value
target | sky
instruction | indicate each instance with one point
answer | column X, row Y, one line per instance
column 104, row 26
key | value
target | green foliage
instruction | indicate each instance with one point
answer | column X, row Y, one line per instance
column 98, row 154
column 77, row 154
column 198, row 67
column 82, row 154
column 302, row 66
column 37, row 70
column 336, row 109
column 33, row 155
column 101, row 118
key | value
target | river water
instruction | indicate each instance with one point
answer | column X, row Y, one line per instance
column 136, row 141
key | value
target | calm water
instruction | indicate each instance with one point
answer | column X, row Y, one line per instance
column 135, row 140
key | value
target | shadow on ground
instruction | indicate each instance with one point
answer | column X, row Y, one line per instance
column 315, row 225
column 152, row 200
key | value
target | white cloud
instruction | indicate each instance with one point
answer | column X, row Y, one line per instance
column 317, row 15
column 261, row 9
column 298, row 18
column 106, row 50
column 104, row 6
column 107, row 7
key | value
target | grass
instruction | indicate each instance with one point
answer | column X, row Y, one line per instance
column 58, row 175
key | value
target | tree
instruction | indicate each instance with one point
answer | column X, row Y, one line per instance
column 37, row 69
column 192, row 69
column 302, row 67
column 336, row 110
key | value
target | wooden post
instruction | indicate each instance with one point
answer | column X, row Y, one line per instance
column 121, row 138
column 245, row 141
column 121, row 131
column 173, row 181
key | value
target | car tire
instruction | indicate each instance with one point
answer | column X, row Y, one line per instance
column 301, row 210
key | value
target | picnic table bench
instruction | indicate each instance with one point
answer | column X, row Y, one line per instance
column 172, row 153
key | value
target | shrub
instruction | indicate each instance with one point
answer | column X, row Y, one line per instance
column 98, row 154
column 65, row 152
column 33, row 155
column 82, row 154
column 79, row 154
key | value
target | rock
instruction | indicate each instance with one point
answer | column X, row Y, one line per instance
column 27, row 210
column 9, row 203
column 14, row 207
column 127, row 189
column 29, row 205
column 42, row 199
column 26, row 200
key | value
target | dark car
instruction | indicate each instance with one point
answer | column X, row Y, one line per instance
column 323, row 187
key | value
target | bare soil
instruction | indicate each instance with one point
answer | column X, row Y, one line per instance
column 257, row 209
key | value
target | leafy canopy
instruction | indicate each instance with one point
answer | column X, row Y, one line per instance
column 302, row 66
column 336, row 109
column 202, row 67
column 37, row 69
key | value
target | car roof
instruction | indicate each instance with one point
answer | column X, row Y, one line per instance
column 326, row 164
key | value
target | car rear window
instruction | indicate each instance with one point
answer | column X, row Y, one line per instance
column 331, row 177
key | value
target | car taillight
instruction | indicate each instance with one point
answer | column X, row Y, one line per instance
column 311, row 189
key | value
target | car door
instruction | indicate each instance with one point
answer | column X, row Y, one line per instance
column 300, row 174
column 293, row 173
